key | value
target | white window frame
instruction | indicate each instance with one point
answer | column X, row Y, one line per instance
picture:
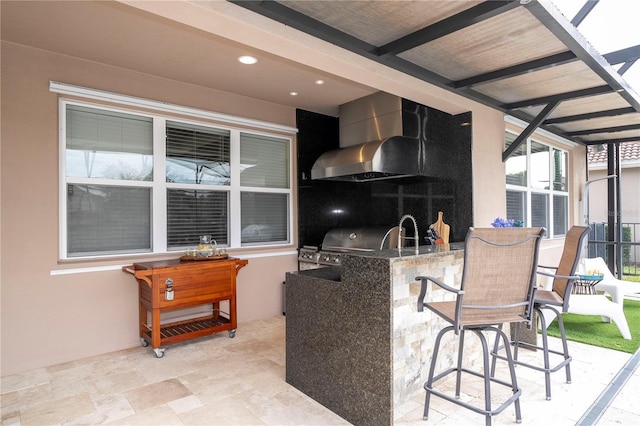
column 158, row 111
column 528, row 190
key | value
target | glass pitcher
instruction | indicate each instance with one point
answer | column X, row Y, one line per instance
column 207, row 246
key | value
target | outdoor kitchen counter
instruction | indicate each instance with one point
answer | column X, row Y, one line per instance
column 355, row 341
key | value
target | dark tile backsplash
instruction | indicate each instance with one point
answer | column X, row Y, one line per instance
column 323, row 205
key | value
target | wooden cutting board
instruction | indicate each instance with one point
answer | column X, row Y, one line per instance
column 442, row 228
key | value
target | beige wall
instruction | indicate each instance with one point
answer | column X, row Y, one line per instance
column 48, row 319
column 630, row 188
column 489, row 196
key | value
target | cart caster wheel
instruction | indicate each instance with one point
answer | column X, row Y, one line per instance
column 143, row 342
column 232, row 334
column 159, row 352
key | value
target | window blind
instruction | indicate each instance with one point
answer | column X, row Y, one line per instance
column 107, row 219
column 560, row 214
column 110, row 150
column 197, row 154
column 539, row 210
column 264, row 161
column 517, row 206
column 560, row 166
column 191, row 214
column 265, row 217
column 108, row 144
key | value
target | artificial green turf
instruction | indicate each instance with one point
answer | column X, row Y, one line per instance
column 591, row 330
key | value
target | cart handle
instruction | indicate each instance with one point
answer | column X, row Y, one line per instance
column 129, row 269
column 141, row 275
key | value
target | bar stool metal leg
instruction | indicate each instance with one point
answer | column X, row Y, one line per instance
column 458, row 369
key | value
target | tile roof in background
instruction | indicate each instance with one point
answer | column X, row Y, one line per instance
column 628, row 151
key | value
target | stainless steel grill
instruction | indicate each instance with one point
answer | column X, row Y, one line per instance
column 342, row 240
column 308, row 257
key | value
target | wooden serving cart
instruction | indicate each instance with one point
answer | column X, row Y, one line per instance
column 170, row 285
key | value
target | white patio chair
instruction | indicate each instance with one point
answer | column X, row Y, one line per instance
column 610, row 285
column 598, row 304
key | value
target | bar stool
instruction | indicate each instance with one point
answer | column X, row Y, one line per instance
column 550, row 304
column 497, row 287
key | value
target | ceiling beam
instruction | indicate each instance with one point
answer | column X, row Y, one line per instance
column 516, row 70
column 613, row 129
column 584, row 11
column 552, row 19
column 449, row 25
column 626, row 66
column 533, row 125
column 590, row 115
column 623, row 55
column 598, row 90
column 628, row 56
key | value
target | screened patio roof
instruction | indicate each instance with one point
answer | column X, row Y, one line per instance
column 522, row 57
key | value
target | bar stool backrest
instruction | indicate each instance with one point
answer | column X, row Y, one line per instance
column 569, row 263
column 499, row 275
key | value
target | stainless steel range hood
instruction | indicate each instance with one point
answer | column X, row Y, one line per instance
column 394, row 157
column 379, row 140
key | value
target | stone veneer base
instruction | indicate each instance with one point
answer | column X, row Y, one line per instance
column 355, row 341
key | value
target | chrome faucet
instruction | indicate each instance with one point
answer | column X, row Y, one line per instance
column 415, row 233
column 385, row 238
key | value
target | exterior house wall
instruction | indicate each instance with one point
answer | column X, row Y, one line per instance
column 49, row 316
column 630, row 188
column 630, row 202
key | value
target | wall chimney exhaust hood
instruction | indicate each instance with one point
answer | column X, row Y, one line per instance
column 394, row 157
column 379, row 139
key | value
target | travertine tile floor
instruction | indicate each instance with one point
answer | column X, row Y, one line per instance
column 221, row 381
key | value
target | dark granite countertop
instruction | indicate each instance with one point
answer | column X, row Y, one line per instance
column 334, row 273
column 329, row 273
column 411, row 251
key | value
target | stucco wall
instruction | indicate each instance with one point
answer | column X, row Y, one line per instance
column 630, row 188
column 48, row 319
column 489, row 196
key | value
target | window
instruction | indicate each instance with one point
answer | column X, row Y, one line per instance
column 143, row 183
column 537, row 191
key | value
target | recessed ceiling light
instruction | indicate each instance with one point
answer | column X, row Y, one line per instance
column 248, row 60
column 293, row 93
column 319, row 82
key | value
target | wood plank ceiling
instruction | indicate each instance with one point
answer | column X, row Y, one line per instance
column 522, row 57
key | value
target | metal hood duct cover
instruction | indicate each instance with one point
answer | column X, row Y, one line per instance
column 394, row 136
column 393, row 157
